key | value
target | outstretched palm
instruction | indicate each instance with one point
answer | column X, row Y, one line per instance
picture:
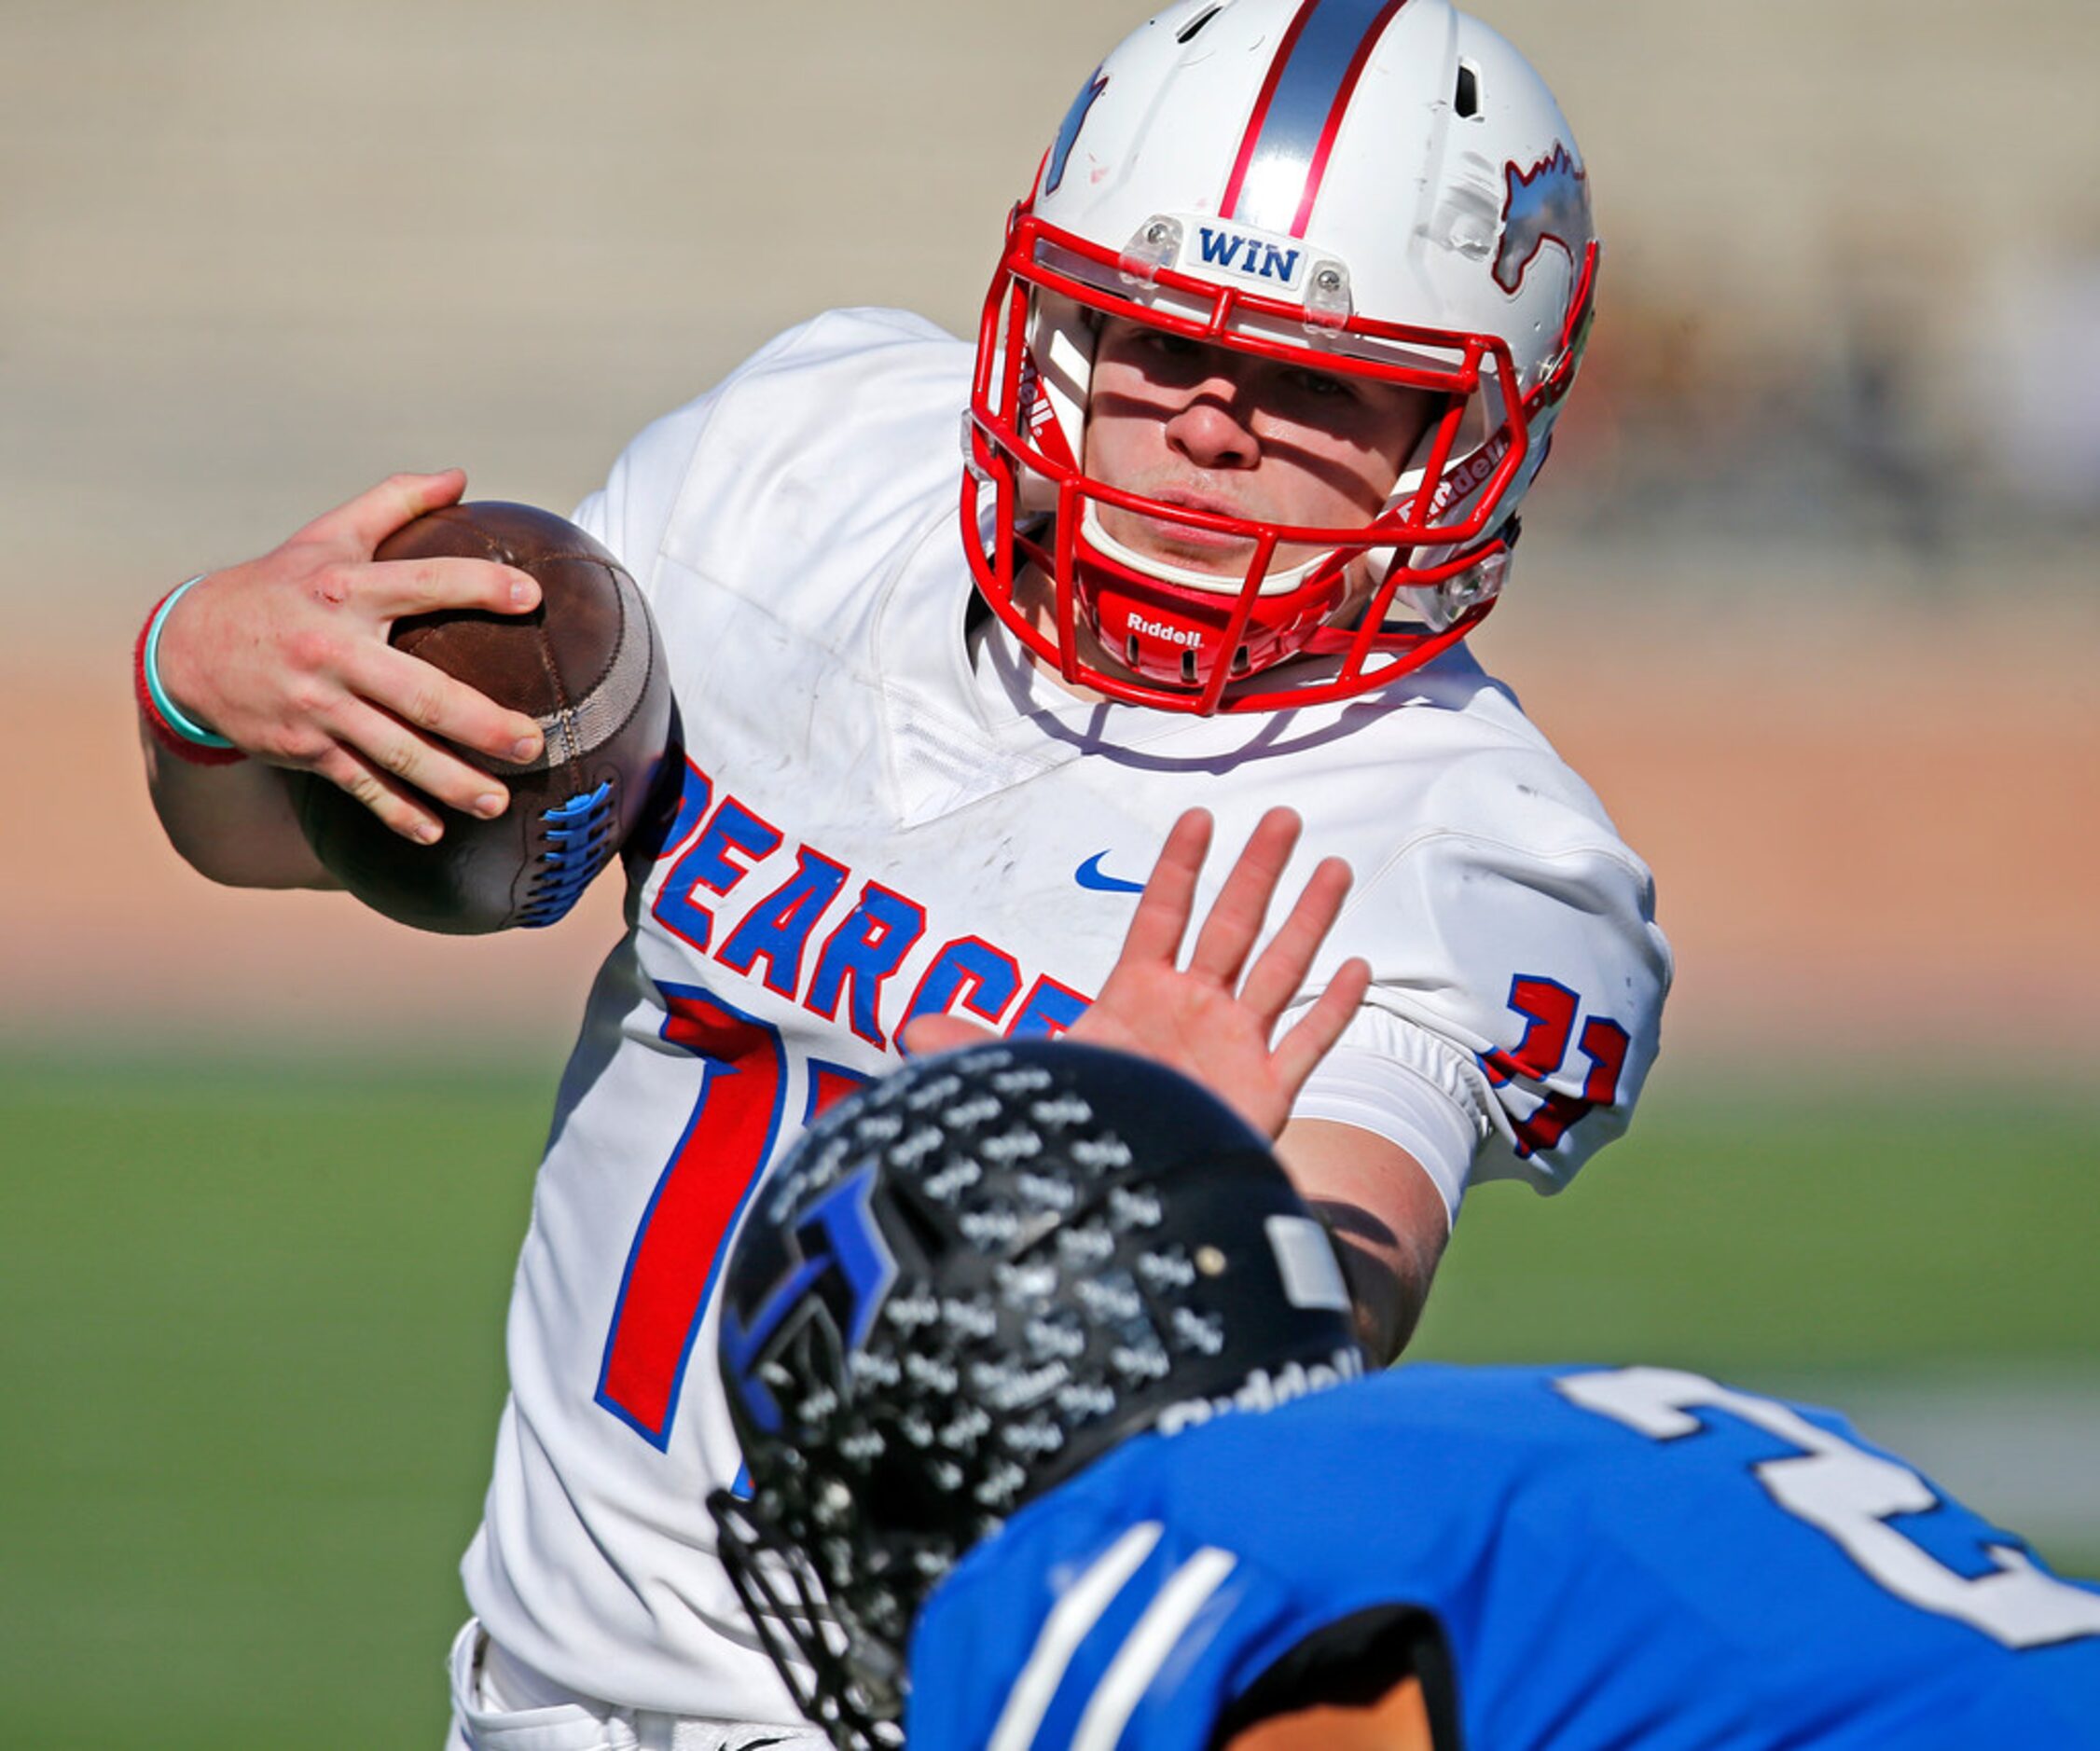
column 1204, row 1019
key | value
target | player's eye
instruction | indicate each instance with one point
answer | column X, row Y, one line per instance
column 1318, row 385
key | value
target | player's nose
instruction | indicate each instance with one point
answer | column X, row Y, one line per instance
column 1213, row 427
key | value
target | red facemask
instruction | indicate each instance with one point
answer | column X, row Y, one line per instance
column 1156, row 637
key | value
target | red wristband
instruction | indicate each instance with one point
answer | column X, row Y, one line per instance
column 165, row 733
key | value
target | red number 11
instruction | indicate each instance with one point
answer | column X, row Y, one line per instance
column 1549, row 1009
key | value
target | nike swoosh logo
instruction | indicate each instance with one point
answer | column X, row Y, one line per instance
column 1090, row 875
column 752, row 1745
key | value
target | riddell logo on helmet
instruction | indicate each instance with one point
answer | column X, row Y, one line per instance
column 1264, row 1391
column 1468, row 478
column 1160, row 629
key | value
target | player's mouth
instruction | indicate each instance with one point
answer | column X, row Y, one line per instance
column 1187, row 544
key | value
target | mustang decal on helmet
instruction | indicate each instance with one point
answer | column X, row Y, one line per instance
column 1548, row 203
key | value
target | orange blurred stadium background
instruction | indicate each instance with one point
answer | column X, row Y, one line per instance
column 1806, row 593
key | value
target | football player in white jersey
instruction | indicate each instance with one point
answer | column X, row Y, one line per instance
column 1273, row 353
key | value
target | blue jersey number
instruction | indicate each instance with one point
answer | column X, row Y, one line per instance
column 1852, row 1494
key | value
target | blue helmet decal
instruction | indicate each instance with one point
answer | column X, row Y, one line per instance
column 845, row 1269
column 1068, row 131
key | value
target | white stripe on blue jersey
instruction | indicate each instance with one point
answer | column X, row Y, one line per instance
column 1067, row 1626
column 1147, row 1646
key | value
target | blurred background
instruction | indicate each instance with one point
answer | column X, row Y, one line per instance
column 1807, row 595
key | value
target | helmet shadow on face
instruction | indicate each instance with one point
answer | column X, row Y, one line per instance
column 1350, row 440
column 1352, row 473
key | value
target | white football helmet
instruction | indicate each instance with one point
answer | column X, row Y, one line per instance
column 1382, row 189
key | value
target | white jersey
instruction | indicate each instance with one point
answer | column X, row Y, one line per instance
column 886, row 813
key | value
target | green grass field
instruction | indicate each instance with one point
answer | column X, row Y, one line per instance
column 250, row 1345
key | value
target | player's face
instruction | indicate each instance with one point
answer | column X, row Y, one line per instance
column 1220, row 430
column 1398, row 1721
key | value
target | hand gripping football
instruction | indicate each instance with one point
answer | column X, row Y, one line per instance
column 588, row 664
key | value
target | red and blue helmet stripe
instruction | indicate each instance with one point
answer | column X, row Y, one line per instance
column 1284, row 155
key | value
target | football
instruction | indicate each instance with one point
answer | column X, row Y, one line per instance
column 588, row 664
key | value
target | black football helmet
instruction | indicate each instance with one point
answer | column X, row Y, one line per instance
column 963, row 1284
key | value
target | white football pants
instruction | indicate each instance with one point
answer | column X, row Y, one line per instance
column 499, row 1706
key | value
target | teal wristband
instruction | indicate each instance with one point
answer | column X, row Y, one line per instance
column 172, row 713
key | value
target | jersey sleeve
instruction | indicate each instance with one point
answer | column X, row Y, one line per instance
column 633, row 511
column 667, row 476
column 1544, row 967
column 1516, row 1004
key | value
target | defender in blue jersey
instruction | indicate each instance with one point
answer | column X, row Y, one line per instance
column 1568, row 1559
column 995, row 1327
